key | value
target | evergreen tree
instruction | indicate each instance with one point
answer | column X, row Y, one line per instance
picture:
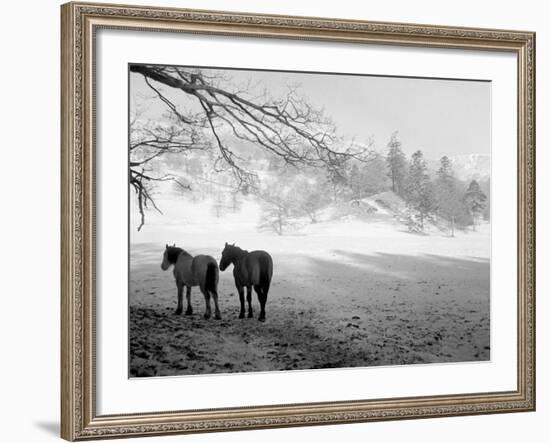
column 365, row 179
column 419, row 190
column 449, row 201
column 485, row 186
column 475, row 200
column 397, row 165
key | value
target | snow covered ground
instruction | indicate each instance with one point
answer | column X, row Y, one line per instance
column 345, row 292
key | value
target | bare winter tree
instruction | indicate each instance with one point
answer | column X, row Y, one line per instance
column 288, row 128
column 279, row 207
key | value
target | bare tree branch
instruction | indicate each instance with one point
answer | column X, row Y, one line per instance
column 288, row 128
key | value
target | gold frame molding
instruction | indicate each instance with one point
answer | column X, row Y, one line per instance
column 79, row 22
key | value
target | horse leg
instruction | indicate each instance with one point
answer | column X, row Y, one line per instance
column 208, row 311
column 217, row 314
column 240, row 289
column 180, row 298
column 249, row 300
column 262, row 297
column 189, row 310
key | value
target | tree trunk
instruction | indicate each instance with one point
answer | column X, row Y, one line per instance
column 452, row 226
column 280, row 224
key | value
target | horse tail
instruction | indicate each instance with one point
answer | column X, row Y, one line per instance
column 211, row 277
column 266, row 271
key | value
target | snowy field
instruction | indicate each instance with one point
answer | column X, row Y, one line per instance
column 346, row 292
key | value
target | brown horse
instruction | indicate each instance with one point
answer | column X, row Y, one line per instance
column 249, row 269
column 190, row 271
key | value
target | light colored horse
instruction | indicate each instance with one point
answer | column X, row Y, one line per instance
column 249, row 269
column 189, row 271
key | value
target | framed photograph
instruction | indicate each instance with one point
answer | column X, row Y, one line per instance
column 282, row 221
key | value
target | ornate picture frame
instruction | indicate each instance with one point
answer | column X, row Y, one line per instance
column 80, row 23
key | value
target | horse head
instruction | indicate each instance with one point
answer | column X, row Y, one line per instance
column 170, row 256
column 227, row 256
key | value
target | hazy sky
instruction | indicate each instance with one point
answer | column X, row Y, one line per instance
column 441, row 117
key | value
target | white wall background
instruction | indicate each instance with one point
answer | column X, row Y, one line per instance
column 29, row 218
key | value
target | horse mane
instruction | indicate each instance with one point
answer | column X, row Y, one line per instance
column 235, row 252
column 236, row 249
column 174, row 252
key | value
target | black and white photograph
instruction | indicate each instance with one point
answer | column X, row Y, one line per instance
column 286, row 221
column 232, row 221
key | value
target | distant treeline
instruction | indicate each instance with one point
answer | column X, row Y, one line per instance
column 437, row 197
